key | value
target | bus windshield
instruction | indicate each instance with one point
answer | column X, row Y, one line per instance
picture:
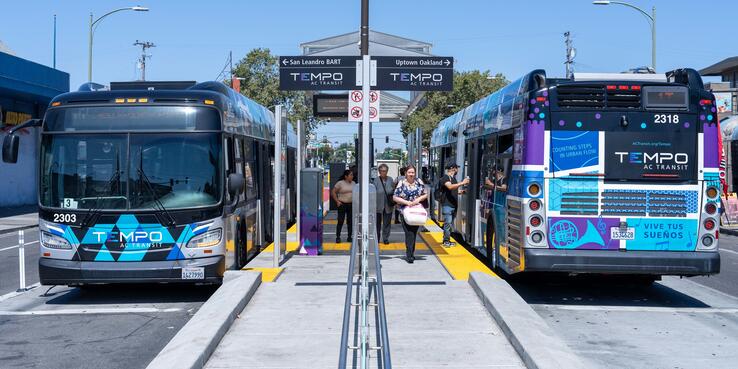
column 131, row 171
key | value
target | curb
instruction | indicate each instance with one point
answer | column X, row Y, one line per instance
column 16, row 229
column 192, row 346
column 729, row 231
column 534, row 340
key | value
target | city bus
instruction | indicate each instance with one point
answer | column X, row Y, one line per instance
column 170, row 183
column 599, row 173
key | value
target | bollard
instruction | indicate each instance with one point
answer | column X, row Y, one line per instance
column 21, row 260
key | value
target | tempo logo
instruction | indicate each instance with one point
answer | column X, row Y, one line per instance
column 323, row 77
column 133, row 236
column 417, row 77
column 655, row 158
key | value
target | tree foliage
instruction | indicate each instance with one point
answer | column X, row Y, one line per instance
column 260, row 72
column 469, row 87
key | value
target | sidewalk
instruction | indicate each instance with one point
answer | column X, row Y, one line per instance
column 295, row 321
column 17, row 218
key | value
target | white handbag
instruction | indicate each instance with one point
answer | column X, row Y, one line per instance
column 415, row 215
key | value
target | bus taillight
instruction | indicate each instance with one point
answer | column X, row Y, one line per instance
column 535, row 221
column 534, row 205
column 709, row 224
column 710, row 208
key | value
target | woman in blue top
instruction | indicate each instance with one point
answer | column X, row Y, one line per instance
column 410, row 191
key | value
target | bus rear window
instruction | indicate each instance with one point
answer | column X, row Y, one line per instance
column 132, row 118
column 665, row 97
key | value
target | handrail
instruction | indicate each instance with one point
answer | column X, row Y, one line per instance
column 363, row 304
column 384, row 336
column 347, row 307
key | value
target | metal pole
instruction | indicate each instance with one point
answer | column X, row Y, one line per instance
column 22, row 260
column 54, row 41
column 277, row 182
column 366, row 135
column 299, row 184
column 653, row 38
column 89, row 53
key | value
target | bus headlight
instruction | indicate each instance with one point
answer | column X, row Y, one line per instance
column 51, row 241
column 207, row 239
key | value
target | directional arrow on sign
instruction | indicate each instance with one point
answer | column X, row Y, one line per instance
column 285, row 61
column 447, row 62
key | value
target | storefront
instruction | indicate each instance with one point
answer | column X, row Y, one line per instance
column 26, row 88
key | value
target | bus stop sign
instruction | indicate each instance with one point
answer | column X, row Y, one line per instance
column 414, row 73
column 317, row 72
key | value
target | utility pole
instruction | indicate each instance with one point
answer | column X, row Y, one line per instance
column 571, row 52
column 142, row 61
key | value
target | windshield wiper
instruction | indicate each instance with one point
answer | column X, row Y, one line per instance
column 95, row 209
column 145, row 180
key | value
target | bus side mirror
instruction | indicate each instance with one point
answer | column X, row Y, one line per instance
column 235, row 184
column 10, row 148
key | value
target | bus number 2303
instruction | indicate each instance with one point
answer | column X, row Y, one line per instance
column 65, row 218
column 666, row 118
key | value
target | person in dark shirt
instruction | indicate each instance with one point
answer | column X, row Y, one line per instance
column 450, row 200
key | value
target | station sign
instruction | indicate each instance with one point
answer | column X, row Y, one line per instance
column 414, row 73
column 355, row 106
column 317, row 72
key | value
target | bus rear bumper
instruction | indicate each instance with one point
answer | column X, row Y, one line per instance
column 625, row 262
column 68, row 272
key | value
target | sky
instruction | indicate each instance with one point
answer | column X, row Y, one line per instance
column 193, row 38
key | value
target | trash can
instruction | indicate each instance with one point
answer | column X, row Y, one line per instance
column 311, row 211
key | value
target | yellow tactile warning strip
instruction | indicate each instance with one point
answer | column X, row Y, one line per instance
column 268, row 274
column 457, row 260
column 394, row 246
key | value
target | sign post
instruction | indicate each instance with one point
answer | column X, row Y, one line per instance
column 277, row 185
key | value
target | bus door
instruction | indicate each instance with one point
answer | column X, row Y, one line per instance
column 469, row 211
column 463, row 163
column 266, row 194
column 503, row 166
column 488, row 149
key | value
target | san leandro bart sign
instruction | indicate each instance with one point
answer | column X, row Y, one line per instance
column 391, row 73
column 317, row 72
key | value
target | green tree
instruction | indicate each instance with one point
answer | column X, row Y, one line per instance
column 391, row 153
column 469, row 87
column 260, row 72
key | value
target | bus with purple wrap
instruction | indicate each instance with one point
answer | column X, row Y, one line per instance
column 599, row 173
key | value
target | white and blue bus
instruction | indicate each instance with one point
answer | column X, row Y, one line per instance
column 153, row 185
column 601, row 173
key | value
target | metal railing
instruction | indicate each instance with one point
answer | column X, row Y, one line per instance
column 365, row 247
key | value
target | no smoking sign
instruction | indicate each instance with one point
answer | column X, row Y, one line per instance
column 355, row 110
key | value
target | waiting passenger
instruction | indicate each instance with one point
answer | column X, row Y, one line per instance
column 342, row 194
column 385, row 187
column 450, row 200
column 409, row 192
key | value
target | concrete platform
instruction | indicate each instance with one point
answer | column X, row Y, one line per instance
column 295, row 321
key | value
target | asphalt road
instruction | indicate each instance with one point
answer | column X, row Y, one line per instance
column 615, row 322
column 9, row 268
column 727, row 280
column 103, row 327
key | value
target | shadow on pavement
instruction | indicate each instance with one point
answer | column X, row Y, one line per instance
column 127, row 294
column 607, row 290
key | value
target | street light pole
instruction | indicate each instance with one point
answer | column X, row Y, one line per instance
column 652, row 20
column 93, row 22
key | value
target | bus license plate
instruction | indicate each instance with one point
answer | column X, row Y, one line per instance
column 193, row 273
column 617, row 234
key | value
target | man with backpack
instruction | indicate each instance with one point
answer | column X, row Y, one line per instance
column 447, row 193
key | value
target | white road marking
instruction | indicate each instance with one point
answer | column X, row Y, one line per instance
column 641, row 309
column 124, row 310
column 13, row 294
column 16, row 246
column 730, row 251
